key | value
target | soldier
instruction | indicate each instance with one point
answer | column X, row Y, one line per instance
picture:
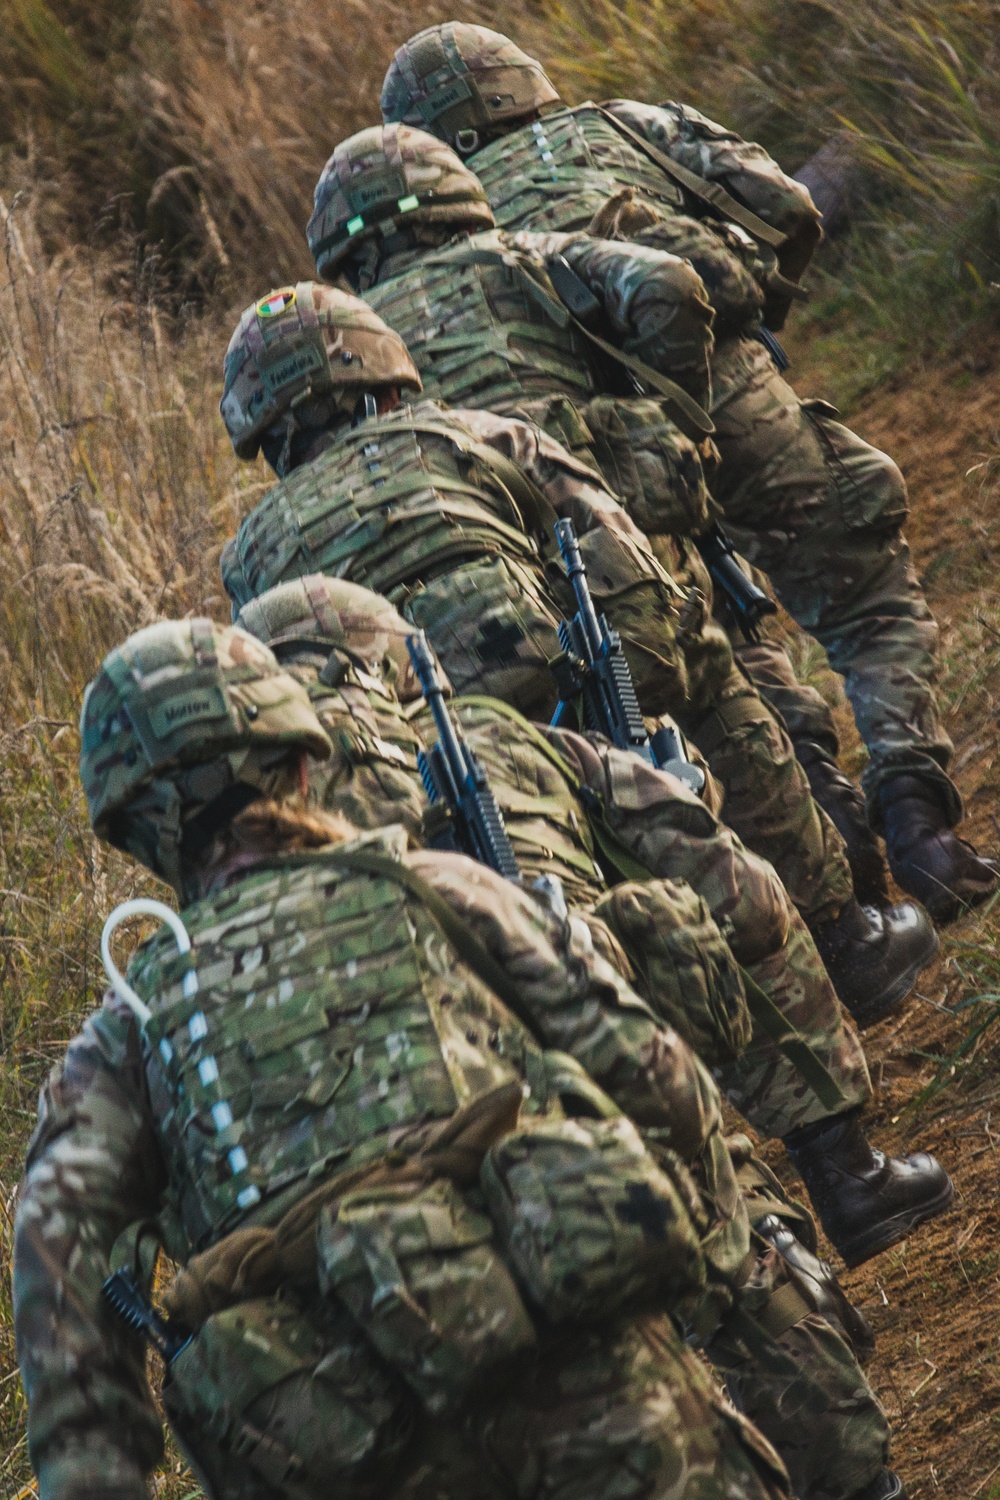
column 818, row 509
column 450, row 513
column 568, row 800
column 298, row 1103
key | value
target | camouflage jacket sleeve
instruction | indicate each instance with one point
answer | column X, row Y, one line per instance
column 571, row 488
column 742, row 167
column 655, row 303
column 676, row 837
column 581, row 1004
column 93, row 1167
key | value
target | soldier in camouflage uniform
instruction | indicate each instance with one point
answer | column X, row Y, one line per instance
column 568, row 801
column 450, row 513
column 300, row 1106
column 818, row 509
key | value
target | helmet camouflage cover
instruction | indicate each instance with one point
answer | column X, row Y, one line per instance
column 461, row 82
column 385, row 177
column 177, row 715
column 333, row 614
column 301, row 342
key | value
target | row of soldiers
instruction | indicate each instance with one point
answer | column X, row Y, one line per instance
column 436, row 1157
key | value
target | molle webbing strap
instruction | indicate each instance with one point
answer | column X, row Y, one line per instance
column 459, row 933
column 766, row 1015
column 713, row 194
column 692, row 419
column 527, row 498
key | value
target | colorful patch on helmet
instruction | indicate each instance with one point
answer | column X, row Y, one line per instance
column 276, row 302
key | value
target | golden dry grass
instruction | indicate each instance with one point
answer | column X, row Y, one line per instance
column 207, row 122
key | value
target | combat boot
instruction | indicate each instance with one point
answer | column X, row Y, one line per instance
column 873, row 955
column 886, row 1486
column 844, row 805
column 926, row 856
column 866, row 1201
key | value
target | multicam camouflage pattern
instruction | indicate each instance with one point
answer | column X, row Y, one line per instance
column 507, row 340
column 177, row 695
column 676, row 837
column 388, row 175
column 418, row 506
column 333, row 614
column 830, row 1429
column 372, row 776
column 198, row 1113
column 546, row 166
column 463, row 82
column 821, row 512
column 488, row 334
column 300, row 342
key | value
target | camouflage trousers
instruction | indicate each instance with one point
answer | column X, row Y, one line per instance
column 767, row 799
column 821, row 512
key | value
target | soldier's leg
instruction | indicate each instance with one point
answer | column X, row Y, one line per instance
column 809, row 721
column 797, row 1378
column 626, row 1412
column 795, row 1370
column 821, row 512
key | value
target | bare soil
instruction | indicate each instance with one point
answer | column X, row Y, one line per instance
column 935, row 1302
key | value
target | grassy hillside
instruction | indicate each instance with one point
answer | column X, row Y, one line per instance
column 155, row 175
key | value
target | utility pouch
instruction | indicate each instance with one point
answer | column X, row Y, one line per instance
column 588, row 1221
column 268, row 1400
column 493, row 630
column 417, row 1269
column 686, row 970
column 650, row 463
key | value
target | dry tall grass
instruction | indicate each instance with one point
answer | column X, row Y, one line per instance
column 205, row 122
column 116, row 488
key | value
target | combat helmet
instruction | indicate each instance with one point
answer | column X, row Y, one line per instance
column 184, row 724
column 335, row 615
column 464, row 82
column 298, row 346
column 383, row 179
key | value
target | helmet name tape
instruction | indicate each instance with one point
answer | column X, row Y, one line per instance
column 186, row 708
column 444, row 98
column 290, row 368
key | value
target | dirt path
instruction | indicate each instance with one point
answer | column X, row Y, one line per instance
column 935, row 1303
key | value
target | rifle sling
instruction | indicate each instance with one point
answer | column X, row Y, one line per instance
column 692, row 419
column 713, row 194
column 766, row 1015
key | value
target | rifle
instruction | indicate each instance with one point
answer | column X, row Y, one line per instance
column 774, row 347
column 747, row 603
column 123, row 1292
column 453, row 776
column 593, row 669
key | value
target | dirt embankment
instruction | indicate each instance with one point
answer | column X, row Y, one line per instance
column 935, row 1303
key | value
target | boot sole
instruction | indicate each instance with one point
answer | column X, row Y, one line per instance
column 894, row 1230
column 876, row 1010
